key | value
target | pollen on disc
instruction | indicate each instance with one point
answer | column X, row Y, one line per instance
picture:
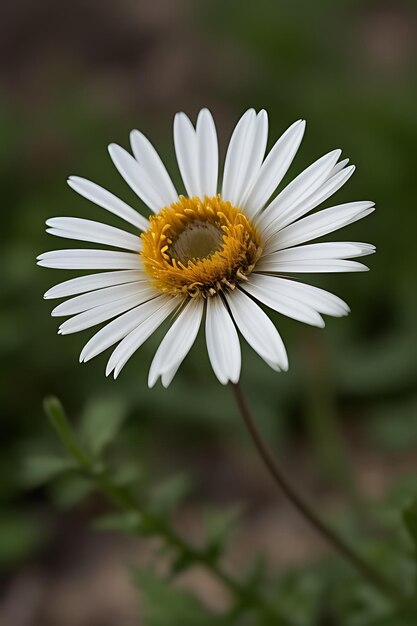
column 200, row 247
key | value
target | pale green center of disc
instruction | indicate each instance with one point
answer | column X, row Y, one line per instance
column 199, row 240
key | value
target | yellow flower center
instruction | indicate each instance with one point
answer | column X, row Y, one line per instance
column 199, row 247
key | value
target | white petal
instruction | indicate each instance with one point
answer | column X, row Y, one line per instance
column 102, row 313
column 339, row 167
column 137, row 337
column 318, row 265
column 237, row 157
column 94, row 281
column 90, row 260
column 264, row 289
column 185, row 141
column 103, row 296
column 95, row 232
column 257, row 329
column 167, row 377
column 314, row 251
column 136, row 177
column 108, row 201
column 254, row 152
column 177, row 342
column 274, row 218
column 318, row 299
column 208, row 154
column 308, row 181
column 153, row 166
column 123, row 325
column 319, row 224
column 274, row 168
column 305, row 184
column 222, row 342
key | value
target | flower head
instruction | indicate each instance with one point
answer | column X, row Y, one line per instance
column 206, row 253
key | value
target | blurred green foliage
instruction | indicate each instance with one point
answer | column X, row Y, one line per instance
column 318, row 594
column 346, row 67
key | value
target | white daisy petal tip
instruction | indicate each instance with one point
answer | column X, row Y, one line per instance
column 152, row 381
column 74, row 182
column 204, row 112
column 113, row 148
column 108, row 370
column 165, row 381
column 274, row 365
column 85, row 356
column 299, row 127
column 180, row 118
column 282, row 367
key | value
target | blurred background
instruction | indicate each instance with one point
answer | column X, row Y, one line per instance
column 78, row 75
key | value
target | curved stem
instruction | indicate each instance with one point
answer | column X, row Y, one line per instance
column 330, row 536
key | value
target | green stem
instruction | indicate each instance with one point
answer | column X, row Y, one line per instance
column 123, row 499
column 321, row 419
column 330, row 536
column 55, row 412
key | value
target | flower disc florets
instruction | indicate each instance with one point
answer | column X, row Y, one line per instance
column 200, row 247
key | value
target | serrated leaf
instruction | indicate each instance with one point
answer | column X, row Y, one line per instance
column 165, row 605
column 128, row 522
column 100, row 423
column 170, row 493
column 38, row 470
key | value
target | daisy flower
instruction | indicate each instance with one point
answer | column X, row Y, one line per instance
column 207, row 254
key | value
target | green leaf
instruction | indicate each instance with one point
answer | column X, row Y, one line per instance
column 38, row 470
column 170, row 493
column 71, row 489
column 165, row 605
column 127, row 473
column 55, row 412
column 100, row 423
column 219, row 525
